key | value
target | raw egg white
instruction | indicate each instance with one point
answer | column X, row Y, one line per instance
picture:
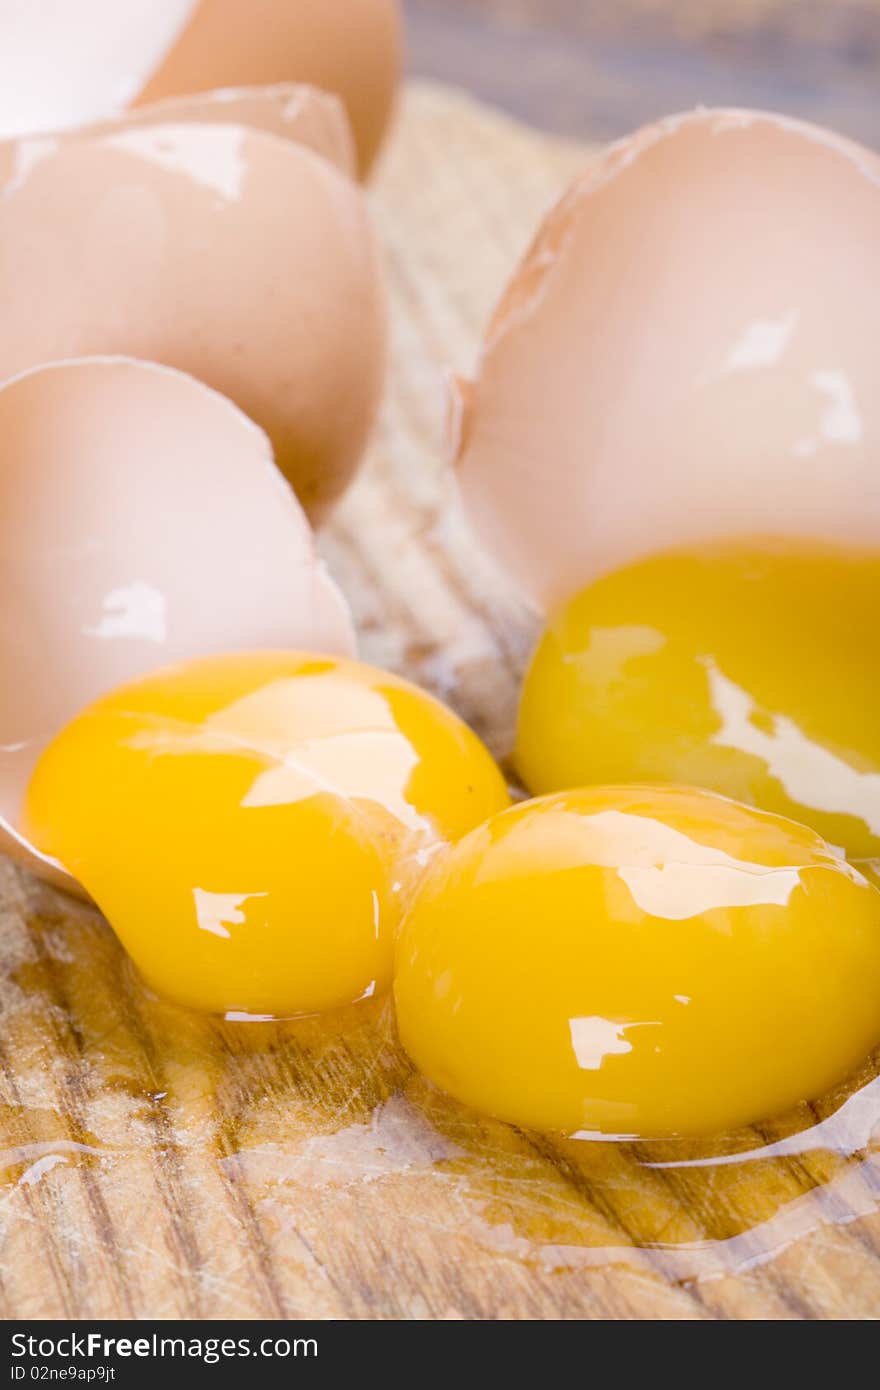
column 639, row 961
column 249, row 823
column 143, row 521
column 230, row 253
column 686, row 354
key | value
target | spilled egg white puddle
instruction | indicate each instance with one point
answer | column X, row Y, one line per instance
column 301, row 1130
column 839, row 1151
column 506, row 1207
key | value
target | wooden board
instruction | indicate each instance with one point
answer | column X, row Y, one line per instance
column 155, row 1164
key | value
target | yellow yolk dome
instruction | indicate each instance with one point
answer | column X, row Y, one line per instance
column 249, row 823
column 750, row 669
column 639, row 961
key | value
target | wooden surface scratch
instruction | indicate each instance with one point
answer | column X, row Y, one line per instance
column 157, row 1164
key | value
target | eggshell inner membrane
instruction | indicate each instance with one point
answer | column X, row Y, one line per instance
column 143, row 523
column 351, row 47
column 687, row 353
column 292, row 110
column 65, row 62
column 234, row 255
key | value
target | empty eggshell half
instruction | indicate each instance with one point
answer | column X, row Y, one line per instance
column 65, row 62
column 351, row 47
column 687, row 353
column 143, row 522
column 292, row 110
column 232, row 254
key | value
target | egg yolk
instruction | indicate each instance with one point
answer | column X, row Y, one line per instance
column 752, row 670
column 639, row 961
column 248, row 823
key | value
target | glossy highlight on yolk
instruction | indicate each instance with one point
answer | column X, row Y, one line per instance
column 639, row 961
column 249, row 823
column 751, row 669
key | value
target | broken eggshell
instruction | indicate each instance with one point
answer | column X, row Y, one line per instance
column 66, row 62
column 143, row 523
column 351, row 47
column 65, row 65
column 293, row 111
column 232, row 254
column 686, row 354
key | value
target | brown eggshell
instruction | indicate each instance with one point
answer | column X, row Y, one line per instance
column 292, row 110
column 143, row 522
column 232, row 254
column 688, row 352
column 352, row 47
column 66, row 62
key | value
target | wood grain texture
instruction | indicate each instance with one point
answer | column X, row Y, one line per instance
column 590, row 68
column 155, row 1164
